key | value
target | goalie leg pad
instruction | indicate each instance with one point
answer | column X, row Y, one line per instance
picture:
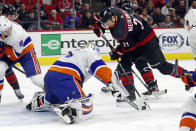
column 38, row 103
column 78, row 109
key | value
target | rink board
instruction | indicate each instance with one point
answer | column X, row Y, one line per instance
column 51, row 45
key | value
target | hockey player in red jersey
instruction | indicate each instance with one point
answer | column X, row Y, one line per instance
column 141, row 63
column 136, row 39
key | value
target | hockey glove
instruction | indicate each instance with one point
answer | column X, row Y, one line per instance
column 188, row 79
column 113, row 55
column 98, row 29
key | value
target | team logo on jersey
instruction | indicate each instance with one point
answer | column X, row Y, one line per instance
column 170, row 41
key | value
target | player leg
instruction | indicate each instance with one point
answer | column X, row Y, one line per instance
column 13, row 81
column 157, row 60
column 147, row 75
column 188, row 120
column 32, row 68
column 3, row 68
column 61, row 88
column 126, row 64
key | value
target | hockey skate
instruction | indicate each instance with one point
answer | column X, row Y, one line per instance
column 131, row 97
column 65, row 113
column 19, row 95
column 152, row 87
column 153, row 90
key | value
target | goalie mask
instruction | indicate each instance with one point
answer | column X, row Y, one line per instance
column 92, row 46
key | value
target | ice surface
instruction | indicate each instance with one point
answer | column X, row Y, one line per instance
column 164, row 116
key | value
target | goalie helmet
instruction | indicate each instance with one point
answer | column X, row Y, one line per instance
column 93, row 46
column 5, row 24
column 9, row 10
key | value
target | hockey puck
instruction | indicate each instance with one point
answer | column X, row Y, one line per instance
column 143, row 107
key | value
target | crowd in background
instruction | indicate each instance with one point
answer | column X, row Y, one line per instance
column 59, row 14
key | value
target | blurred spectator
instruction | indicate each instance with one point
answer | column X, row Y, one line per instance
column 181, row 9
column 23, row 13
column 64, row 5
column 165, row 9
column 174, row 18
column 30, row 22
column 144, row 14
column 78, row 5
column 54, row 22
column 36, row 9
column 69, row 21
column 193, row 5
column 151, row 22
column 108, row 3
column 181, row 23
column 142, row 4
column 158, row 3
column 17, row 4
column 149, row 7
column 1, row 8
column 136, row 7
column 167, row 22
column 17, row 20
column 43, row 17
column 158, row 18
column 86, row 7
column 87, row 21
column 174, row 3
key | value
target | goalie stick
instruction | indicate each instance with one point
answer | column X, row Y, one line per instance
column 138, row 106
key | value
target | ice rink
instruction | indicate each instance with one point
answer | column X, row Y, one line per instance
column 165, row 113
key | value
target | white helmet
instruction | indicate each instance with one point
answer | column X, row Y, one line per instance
column 93, row 46
column 5, row 24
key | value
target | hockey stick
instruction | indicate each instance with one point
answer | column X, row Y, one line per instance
column 133, row 104
column 176, row 66
column 155, row 93
column 112, row 48
column 21, row 71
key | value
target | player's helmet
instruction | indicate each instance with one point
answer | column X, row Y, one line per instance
column 9, row 10
column 5, row 24
column 105, row 15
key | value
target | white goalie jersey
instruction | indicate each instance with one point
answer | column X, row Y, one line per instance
column 78, row 63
